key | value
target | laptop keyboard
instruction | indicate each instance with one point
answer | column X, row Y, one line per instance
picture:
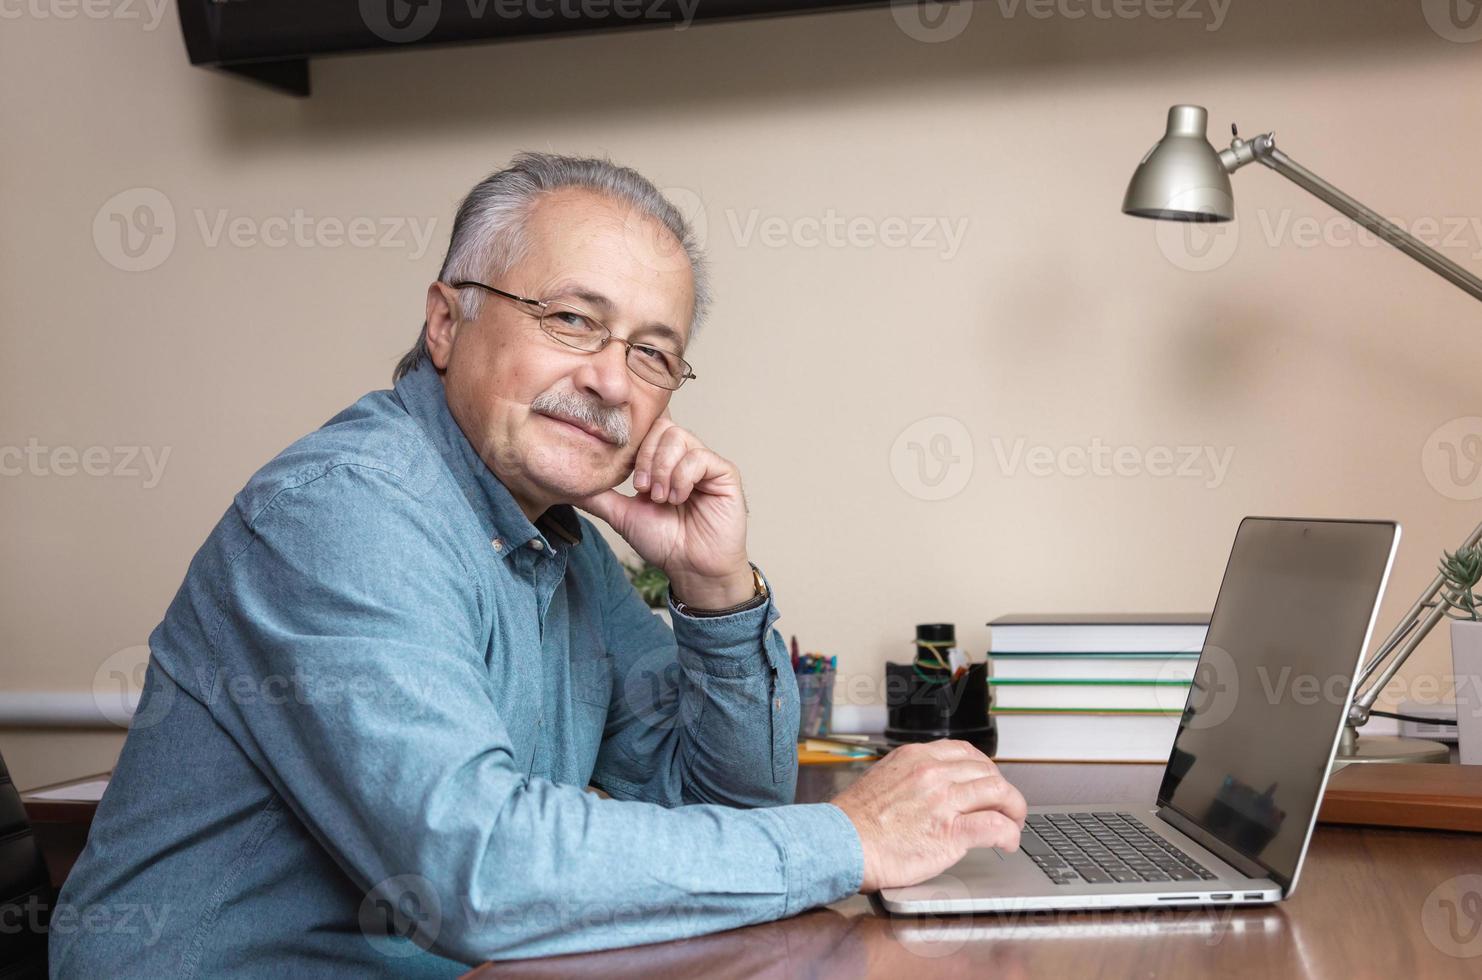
column 1099, row 848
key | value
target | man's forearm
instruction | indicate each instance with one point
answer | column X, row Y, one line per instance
column 705, row 712
column 614, row 873
column 739, row 747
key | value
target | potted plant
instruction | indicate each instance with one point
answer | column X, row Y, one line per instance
column 1462, row 571
column 653, row 587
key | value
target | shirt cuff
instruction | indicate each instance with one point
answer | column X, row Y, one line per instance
column 824, row 861
column 726, row 646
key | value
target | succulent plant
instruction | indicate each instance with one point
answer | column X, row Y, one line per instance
column 1462, row 571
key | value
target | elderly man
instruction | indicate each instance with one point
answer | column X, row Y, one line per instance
column 375, row 706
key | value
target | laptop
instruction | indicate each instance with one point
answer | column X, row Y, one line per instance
column 1240, row 793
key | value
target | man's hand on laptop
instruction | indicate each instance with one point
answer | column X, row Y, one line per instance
column 919, row 809
column 688, row 516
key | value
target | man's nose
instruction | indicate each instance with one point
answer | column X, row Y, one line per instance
column 605, row 375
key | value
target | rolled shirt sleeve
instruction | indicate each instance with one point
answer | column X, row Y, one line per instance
column 704, row 713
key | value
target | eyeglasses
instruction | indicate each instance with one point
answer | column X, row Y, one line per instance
column 581, row 331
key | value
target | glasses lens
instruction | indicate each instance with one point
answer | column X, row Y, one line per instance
column 656, row 366
column 573, row 327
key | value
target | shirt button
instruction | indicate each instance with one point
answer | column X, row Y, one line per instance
column 536, row 544
column 498, row 544
column 777, row 703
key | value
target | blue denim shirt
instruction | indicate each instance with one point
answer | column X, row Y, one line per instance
column 371, row 715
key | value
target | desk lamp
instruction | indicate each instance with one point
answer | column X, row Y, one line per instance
column 1184, row 178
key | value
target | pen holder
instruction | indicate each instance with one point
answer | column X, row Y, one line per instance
column 815, row 704
column 922, row 708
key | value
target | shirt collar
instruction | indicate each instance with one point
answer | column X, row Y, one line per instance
column 421, row 393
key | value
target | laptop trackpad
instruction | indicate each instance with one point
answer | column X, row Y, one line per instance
column 983, row 870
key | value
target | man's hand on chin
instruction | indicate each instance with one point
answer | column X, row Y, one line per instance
column 688, row 517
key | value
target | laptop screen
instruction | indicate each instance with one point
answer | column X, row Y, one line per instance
column 1273, row 682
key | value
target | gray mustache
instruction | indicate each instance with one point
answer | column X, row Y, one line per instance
column 611, row 422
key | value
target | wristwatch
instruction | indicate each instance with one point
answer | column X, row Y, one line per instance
column 759, row 599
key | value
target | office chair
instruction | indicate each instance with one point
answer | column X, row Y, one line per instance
column 26, row 894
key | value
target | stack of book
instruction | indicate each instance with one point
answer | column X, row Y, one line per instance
column 1092, row 688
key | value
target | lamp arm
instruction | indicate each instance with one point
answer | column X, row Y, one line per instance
column 1411, row 625
column 1263, row 148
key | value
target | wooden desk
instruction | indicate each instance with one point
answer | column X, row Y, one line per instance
column 60, row 826
column 1366, row 906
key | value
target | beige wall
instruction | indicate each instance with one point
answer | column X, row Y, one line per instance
column 1323, row 368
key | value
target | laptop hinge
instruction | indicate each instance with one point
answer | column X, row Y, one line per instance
column 1220, row 849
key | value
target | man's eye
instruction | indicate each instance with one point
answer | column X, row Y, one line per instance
column 568, row 320
column 652, row 353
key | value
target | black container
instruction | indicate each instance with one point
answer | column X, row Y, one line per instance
column 923, row 704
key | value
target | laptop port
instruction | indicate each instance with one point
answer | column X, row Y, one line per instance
column 1254, row 895
column 1219, row 896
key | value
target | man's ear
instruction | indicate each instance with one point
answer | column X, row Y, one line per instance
column 443, row 318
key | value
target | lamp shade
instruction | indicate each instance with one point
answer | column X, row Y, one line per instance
column 1181, row 178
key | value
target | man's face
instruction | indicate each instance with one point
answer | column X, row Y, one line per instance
column 596, row 255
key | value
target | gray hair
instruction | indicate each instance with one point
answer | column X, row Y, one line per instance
column 489, row 230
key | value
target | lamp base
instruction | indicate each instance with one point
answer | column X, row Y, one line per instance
column 1387, row 748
